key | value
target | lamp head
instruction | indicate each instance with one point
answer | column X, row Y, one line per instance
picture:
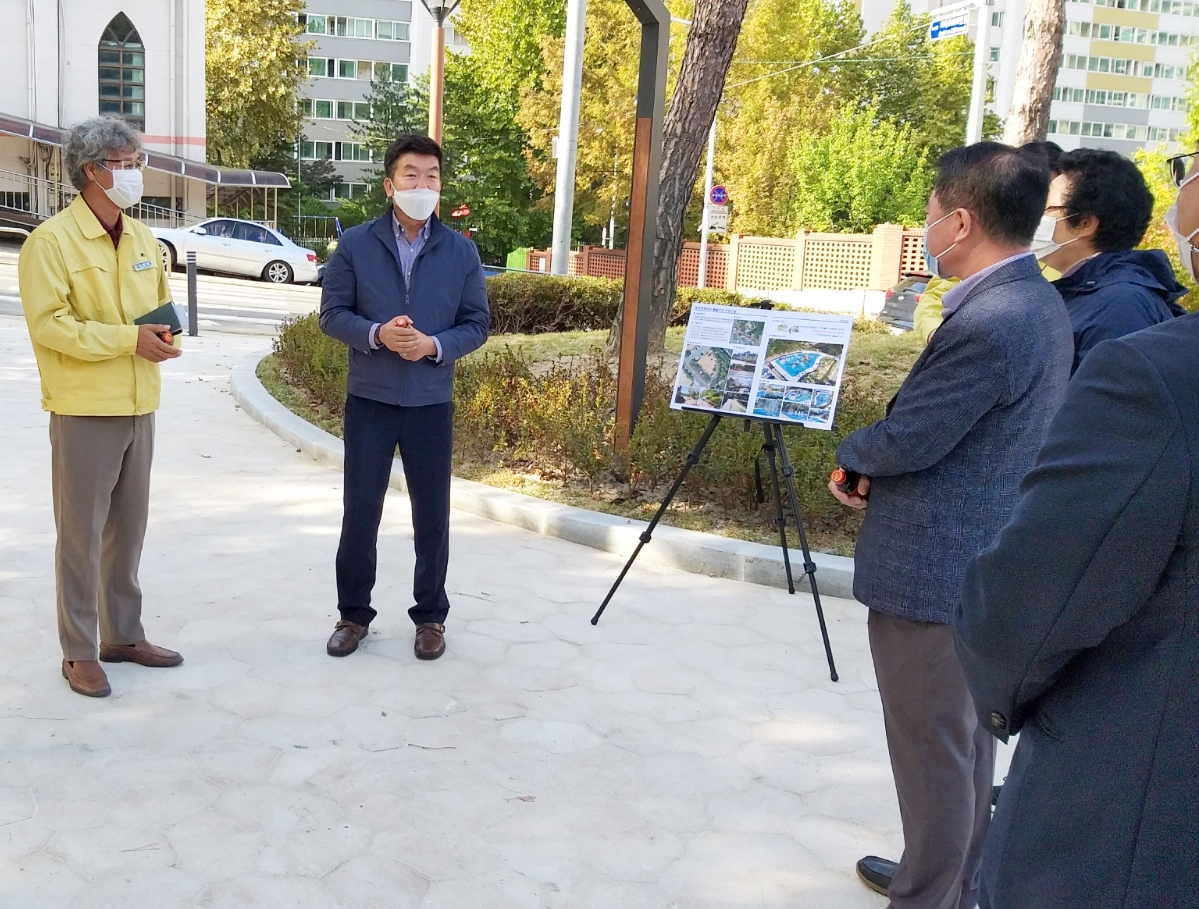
column 440, row 9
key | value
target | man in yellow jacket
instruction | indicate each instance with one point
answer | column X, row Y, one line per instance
column 85, row 275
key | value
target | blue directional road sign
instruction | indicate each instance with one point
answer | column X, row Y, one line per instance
column 949, row 26
column 718, row 196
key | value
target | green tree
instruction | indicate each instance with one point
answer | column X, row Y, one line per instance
column 912, row 80
column 775, row 94
column 506, row 36
column 485, row 164
column 864, row 171
column 606, row 118
column 255, row 64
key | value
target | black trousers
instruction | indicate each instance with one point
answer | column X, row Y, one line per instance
column 425, row 438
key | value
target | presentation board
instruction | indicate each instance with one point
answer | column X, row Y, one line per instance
column 763, row 363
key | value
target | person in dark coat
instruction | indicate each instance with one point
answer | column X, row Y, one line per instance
column 1078, row 628
column 1098, row 209
column 942, row 471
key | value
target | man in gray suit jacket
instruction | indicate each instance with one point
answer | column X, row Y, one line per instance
column 942, row 472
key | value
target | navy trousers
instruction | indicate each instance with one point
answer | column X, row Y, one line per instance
column 425, row 438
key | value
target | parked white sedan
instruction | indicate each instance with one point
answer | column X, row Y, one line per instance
column 236, row 247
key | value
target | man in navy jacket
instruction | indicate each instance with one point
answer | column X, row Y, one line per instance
column 407, row 296
column 1098, row 209
column 942, row 471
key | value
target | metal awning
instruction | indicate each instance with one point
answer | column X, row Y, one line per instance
column 170, row 164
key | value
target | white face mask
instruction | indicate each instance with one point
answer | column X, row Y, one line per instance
column 1185, row 241
column 417, row 204
column 1042, row 240
column 126, row 189
column 933, row 260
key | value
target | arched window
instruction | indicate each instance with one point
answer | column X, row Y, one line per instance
column 123, row 72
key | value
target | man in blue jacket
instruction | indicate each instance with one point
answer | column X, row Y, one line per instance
column 942, row 471
column 1098, row 209
column 407, row 296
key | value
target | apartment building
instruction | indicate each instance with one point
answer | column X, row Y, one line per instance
column 357, row 41
column 1122, row 81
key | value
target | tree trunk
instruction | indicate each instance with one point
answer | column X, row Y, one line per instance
column 711, row 41
column 1040, row 58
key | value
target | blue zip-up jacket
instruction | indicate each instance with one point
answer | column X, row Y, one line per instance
column 1114, row 294
column 364, row 284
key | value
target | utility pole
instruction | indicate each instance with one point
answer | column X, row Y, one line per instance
column 568, row 134
column 953, row 20
column 978, row 89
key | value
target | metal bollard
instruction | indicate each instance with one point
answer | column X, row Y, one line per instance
column 193, row 315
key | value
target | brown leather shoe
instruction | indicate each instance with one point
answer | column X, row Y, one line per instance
column 143, row 653
column 430, row 641
column 345, row 638
column 86, row 677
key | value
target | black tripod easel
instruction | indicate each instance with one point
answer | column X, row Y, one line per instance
column 773, row 446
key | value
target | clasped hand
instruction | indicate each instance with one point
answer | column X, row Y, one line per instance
column 401, row 336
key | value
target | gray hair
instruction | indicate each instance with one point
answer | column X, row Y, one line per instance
column 91, row 141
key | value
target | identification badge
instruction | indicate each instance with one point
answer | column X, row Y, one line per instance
column 142, row 266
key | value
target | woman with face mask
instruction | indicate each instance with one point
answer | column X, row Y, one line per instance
column 1097, row 211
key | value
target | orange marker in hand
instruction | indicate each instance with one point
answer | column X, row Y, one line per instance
column 845, row 479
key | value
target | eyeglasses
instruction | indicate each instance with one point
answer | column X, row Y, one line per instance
column 117, row 164
column 1179, row 165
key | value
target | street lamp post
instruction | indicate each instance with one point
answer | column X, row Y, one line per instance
column 440, row 10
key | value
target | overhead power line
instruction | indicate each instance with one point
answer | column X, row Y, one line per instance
column 825, row 59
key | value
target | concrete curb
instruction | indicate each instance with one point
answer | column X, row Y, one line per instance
column 672, row 547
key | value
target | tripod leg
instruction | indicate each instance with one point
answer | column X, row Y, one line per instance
column 647, row 534
column 779, row 521
column 808, row 565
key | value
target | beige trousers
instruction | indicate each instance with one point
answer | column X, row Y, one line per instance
column 101, row 484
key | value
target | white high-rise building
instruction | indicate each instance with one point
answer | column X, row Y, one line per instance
column 1122, row 80
column 357, row 41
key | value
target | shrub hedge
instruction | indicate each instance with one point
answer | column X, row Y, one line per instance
column 524, row 303
column 558, row 422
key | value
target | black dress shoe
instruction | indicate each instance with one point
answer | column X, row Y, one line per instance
column 876, row 873
column 345, row 638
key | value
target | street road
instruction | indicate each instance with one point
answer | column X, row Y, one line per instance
column 225, row 304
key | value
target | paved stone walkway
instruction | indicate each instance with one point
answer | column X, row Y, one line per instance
column 689, row 752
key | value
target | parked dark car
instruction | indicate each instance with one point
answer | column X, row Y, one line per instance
column 900, row 306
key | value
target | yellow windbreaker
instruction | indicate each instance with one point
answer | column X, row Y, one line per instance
column 81, row 296
column 927, row 317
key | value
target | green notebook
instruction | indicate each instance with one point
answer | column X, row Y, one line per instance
column 164, row 315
